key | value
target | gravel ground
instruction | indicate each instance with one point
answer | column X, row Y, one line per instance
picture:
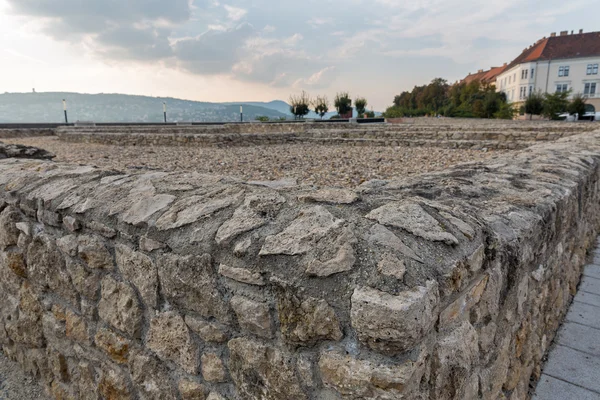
column 16, row 385
column 309, row 164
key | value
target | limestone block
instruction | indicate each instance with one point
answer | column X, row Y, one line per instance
column 392, row 324
column 414, row 219
column 140, row 270
column 87, row 283
column 71, row 223
column 76, row 328
column 459, row 309
column 208, row 331
column 379, row 235
column 15, row 262
column 213, row 369
column 143, row 208
column 391, row 266
column 68, row 245
column 254, row 213
column 261, row 371
column 190, row 282
column 150, row 377
column 102, row 229
column 170, row 338
column 26, row 326
column 120, row 307
column 93, row 251
column 191, row 390
column 9, row 234
column 306, row 320
column 149, row 245
column 253, row 316
column 242, row 275
column 116, row 346
column 113, row 384
column 453, row 361
column 333, row 196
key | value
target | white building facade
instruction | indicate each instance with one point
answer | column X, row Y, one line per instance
column 555, row 64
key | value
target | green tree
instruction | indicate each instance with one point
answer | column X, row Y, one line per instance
column 555, row 104
column 299, row 104
column 506, row 111
column 577, row 105
column 321, row 105
column 361, row 105
column 534, row 105
column 343, row 103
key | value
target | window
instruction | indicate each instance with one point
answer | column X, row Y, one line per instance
column 563, row 71
column 562, row 87
column 509, row 78
column 515, row 77
column 530, row 89
column 522, row 74
column 526, row 71
column 592, row 69
column 532, row 70
column 590, row 88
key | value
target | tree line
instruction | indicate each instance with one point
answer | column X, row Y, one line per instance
column 301, row 104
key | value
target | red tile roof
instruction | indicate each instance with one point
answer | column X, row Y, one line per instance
column 488, row 76
column 578, row 45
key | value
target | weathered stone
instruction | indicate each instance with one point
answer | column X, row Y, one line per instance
column 303, row 233
column 15, row 262
column 333, row 196
column 464, row 228
column 242, row 275
column 58, row 366
column 68, row 245
column 263, row 372
column 140, row 270
column 390, row 266
column 116, row 346
column 191, row 390
column 213, row 369
column 475, row 260
column 85, row 282
column 453, row 359
column 381, row 236
column 149, row 245
column 253, row 316
column 208, row 331
column 393, row 324
column 358, row 379
column 254, row 213
column 151, row 377
column 102, row 229
column 193, row 208
column 461, row 307
column 71, row 223
column 241, row 248
column 215, row 396
column 84, row 379
column 62, row 391
column 24, row 227
column 145, row 207
column 306, row 371
column 306, row 320
column 190, row 282
column 414, row 219
column 9, row 234
column 343, row 260
column 113, row 384
column 26, row 326
column 93, row 251
column 170, row 338
column 76, row 328
column 120, row 307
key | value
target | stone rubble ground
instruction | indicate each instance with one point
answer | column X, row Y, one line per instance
column 15, row 384
column 310, row 164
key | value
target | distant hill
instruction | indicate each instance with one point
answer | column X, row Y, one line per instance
column 47, row 107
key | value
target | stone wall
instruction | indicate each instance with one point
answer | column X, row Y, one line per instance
column 25, row 132
column 458, row 134
column 186, row 286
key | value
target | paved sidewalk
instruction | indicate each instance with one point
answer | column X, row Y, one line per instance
column 573, row 368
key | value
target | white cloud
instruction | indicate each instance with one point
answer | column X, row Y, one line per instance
column 235, row 13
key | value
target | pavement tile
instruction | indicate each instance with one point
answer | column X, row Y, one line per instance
column 580, row 337
column 590, row 285
column 575, row 367
column 550, row 388
column 584, row 314
column 588, row 298
column 592, row 270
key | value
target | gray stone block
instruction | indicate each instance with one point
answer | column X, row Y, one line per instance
column 550, row 388
column 584, row 314
column 588, row 298
column 575, row 367
column 580, row 337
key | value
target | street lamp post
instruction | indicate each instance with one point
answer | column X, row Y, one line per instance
column 65, row 110
column 165, row 111
column 241, row 114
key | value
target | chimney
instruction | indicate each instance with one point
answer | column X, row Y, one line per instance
column 564, row 33
column 480, row 71
column 571, row 32
column 505, row 64
column 553, row 34
column 580, row 31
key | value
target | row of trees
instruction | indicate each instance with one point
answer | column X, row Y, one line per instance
column 552, row 105
column 472, row 100
column 302, row 104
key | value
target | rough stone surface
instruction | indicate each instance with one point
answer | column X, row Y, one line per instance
column 93, row 251
column 139, row 269
column 253, row 316
column 389, row 323
column 191, row 390
column 207, row 331
column 120, row 307
column 170, row 338
column 213, row 369
column 242, row 275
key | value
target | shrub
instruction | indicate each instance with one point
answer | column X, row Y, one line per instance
column 343, row 103
column 534, row 105
column 361, row 105
column 555, row 104
column 299, row 104
column 321, row 105
column 577, row 105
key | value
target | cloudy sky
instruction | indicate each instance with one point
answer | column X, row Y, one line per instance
column 232, row 50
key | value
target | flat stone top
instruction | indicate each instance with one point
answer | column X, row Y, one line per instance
column 329, row 242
